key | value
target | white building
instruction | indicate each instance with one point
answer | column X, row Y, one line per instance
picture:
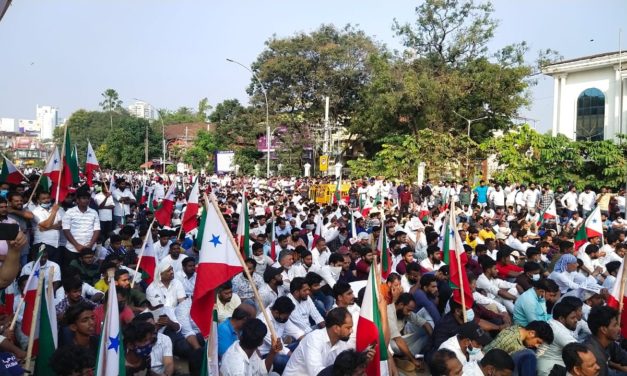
column 9, row 125
column 588, row 96
column 29, row 126
column 48, row 119
column 142, row 110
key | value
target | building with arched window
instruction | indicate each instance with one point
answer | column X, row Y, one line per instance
column 589, row 102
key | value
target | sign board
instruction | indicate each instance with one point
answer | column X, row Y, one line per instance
column 324, row 162
column 224, row 161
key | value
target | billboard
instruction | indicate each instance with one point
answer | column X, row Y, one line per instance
column 225, row 161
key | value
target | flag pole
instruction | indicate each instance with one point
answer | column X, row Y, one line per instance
column 21, row 173
column 62, row 154
column 241, row 260
column 141, row 254
column 39, row 179
column 622, row 290
column 33, row 324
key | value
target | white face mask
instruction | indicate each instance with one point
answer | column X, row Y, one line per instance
column 535, row 277
column 335, row 271
column 259, row 259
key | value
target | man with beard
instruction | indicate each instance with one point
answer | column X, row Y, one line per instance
column 122, row 198
column 230, row 330
column 22, row 217
column 174, row 257
column 345, row 298
column 319, row 349
column 409, row 281
column 362, row 266
column 135, row 299
column 81, row 226
column 563, row 323
column 227, row 301
column 187, row 276
column 400, row 313
column 47, row 225
column 273, row 287
column 606, row 330
column 427, row 297
column 341, row 240
column 279, row 314
column 299, row 323
column 433, row 261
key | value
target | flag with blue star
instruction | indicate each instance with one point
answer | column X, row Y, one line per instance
column 91, row 164
column 218, row 263
column 111, row 350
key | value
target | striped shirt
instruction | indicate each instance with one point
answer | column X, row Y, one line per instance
column 81, row 225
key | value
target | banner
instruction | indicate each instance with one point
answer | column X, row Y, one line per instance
column 323, row 193
column 324, row 162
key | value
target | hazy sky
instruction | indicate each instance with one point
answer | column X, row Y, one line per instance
column 172, row 53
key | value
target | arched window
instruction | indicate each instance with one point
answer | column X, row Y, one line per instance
column 591, row 115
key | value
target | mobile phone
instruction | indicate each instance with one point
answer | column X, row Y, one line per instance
column 8, row 231
column 370, row 346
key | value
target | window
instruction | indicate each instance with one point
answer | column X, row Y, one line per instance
column 590, row 115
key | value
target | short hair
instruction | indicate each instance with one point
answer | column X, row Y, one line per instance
column 304, row 252
column 546, row 284
column 115, row 239
column 438, row 362
column 136, row 331
column 228, row 285
column 393, row 277
column 573, row 301
column 405, row 298
column 562, row 309
column 72, row 283
column 613, row 266
column 599, row 317
column 249, row 260
column 543, row 330
column 531, row 266
column 432, row 249
column 336, row 316
column 191, row 259
column 570, row 355
column 426, row 280
column 283, row 305
column 312, row 279
column 71, row 359
column 240, row 313
column 341, row 288
column 591, row 248
column 335, row 258
column 413, row 267
column 532, row 251
column 564, row 245
column 74, row 311
column 487, row 263
column 284, row 253
column 297, row 284
column 407, row 250
column 257, row 245
column 253, row 333
column 348, row 361
column 498, row 359
column 120, row 272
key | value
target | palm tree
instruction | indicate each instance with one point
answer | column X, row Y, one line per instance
column 111, row 102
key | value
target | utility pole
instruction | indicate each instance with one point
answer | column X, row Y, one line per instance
column 325, row 144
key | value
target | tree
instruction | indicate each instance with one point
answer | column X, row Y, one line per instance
column 203, row 109
column 200, row 155
column 110, row 102
column 124, row 148
column 298, row 72
column 528, row 156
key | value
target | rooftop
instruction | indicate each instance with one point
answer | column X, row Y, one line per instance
column 584, row 63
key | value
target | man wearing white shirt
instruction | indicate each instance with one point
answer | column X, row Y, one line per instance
column 299, row 325
column 467, row 344
column 497, row 197
column 570, row 201
column 587, row 199
column 174, row 257
column 495, row 362
column 158, row 190
column 162, row 246
column 279, row 314
column 320, row 252
column 47, row 225
column 81, row 227
column 45, row 265
column 242, row 358
column 563, row 323
column 319, row 348
column 165, row 290
column 187, row 276
column 502, row 291
column 123, row 197
column 105, row 203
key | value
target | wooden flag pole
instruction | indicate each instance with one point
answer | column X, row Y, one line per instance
column 622, row 290
column 141, row 254
column 241, row 260
column 33, row 324
column 39, row 179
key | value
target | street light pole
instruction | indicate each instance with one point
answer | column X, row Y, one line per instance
column 162, row 134
column 265, row 96
column 469, row 122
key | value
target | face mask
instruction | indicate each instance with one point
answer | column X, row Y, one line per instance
column 335, row 271
column 535, row 277
column 259, row 259
column 143, row 351
column 470, row 315
column 3, row 193
column 46, row 206
column 473, row 351
column 280, row 320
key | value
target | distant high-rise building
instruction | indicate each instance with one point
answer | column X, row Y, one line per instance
column 142, row 110
column 8, row 125
column 48, row 119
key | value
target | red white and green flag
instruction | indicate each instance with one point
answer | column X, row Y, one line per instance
column 30, row 295
column 70, row 165
column 190, row 216
column 317, row 233
column 10, row 173
column 337, row 195
column 91, row 164
column 455, row 258
column 148, row 258
column 163, row 215
column 47, row 332
column 614, row 299
column 218, row 262
column 273, row 240
column 370, row 328
column 51, row 180
column 243, row 228
column 550, row 213
column 111, row 355
column 384, row 253
column 592, row 227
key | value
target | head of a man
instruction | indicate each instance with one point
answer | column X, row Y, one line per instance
column 579, row 360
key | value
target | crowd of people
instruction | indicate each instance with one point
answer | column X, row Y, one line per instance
column 539, row 292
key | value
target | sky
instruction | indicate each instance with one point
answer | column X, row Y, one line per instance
column 172, row 53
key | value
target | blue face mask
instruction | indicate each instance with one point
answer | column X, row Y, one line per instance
column 473, row 351
column 470, row 315
column 535, row 277
column 3, row 193
column 46, row 206
column 143, row 351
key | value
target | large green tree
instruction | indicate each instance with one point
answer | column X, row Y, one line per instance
column 110, row 102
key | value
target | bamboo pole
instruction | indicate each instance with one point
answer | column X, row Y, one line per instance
column 33, row 324
column 622, row 290
column 30, row 199
column 141, row 254
column 241, row 260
